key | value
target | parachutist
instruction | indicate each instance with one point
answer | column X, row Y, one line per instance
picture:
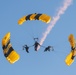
column 48, row 48
column 26, row 47
column 36, row 45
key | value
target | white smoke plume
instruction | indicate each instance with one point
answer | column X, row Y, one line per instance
column 61, row 11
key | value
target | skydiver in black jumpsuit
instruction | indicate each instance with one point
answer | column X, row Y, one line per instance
column 48, row 48
column 26, row 47
column 36, row 45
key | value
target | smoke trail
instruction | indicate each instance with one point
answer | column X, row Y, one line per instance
column 61, row 11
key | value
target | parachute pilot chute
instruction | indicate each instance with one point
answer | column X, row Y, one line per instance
column 36, row 16
column 70, row 57
column 11, row 55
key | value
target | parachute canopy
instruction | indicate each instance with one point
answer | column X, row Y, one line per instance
column 11, row 55
column 43, row 17
column 70, row 57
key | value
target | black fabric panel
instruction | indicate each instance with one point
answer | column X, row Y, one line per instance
column 37, row 16
column 72, row 57
column 28, row 17
column 73, row 48
column 9, row 51
column 5, row 46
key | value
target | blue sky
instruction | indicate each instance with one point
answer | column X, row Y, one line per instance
column 37, row 63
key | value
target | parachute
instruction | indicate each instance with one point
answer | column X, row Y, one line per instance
column 11, row 55
column 43, row 17
column 70, row 57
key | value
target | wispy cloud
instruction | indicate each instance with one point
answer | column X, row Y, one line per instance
column 60, row 12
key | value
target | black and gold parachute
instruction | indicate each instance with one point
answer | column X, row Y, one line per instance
column 70, row 57
column 11, row 55
column 36, row 16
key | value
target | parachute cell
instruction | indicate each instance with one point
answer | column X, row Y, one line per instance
column 11, row 55
column 71, row 40
column 68, row 59
column 43, row 17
